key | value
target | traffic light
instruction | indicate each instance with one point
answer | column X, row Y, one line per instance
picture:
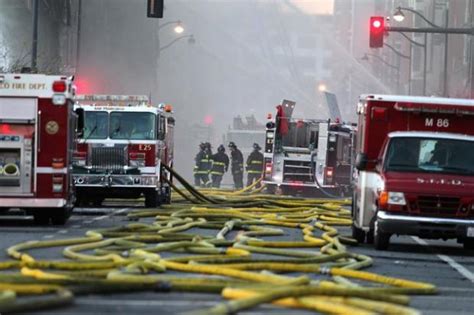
column 154, row 8
column 377, row 29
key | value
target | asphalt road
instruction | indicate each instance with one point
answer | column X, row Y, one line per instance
column 445, row 264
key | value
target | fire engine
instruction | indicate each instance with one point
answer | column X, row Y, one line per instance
column 124, row 143
column 37, row 134
column 415, row 162
column 308, row 156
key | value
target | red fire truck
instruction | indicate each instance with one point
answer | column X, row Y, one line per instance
column 37, row 134
column 307, row 156
column 415, row 161
column 124, row 143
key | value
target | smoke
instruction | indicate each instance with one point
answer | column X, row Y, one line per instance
column 245, row 57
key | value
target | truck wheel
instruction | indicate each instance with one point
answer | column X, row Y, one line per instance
column 381, row 239
column 270, row 189
column 358, row 234
column 152, row 199
column 41, row 216
column 60, row 216
column 468, row 243
column 97, row 202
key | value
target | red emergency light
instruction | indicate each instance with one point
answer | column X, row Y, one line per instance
column 59, row 86
column 208, row 120
column 5, row 128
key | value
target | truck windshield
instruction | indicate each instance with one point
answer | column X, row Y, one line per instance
column 430, row 155
column 132, row 125
column 96, row 125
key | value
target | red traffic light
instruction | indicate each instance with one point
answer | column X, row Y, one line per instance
column 377, row 29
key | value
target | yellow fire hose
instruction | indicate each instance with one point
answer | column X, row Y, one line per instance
column 247, row 255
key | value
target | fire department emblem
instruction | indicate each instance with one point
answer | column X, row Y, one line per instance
column 52, row 127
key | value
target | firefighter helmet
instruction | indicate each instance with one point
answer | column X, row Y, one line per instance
column 232, row 145
column 202, row 145
column 256, row 147
column 208, row 145
column 221, row 148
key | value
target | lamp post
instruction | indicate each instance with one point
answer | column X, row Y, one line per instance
column 34, row 44
column 397, row 68
column 398, row 16
column 178, row 29
column 191, row 40
column 408, row 57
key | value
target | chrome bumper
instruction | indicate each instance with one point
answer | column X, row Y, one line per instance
column 425, row 227
column 119, row 180
column 415, row 219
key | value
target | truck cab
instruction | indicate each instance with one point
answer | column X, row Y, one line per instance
column 415, row 162
column 124, row 143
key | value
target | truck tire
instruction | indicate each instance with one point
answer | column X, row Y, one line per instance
column 381, row 239
column 41, row 216
column 270, row 189
column 97, row 202
column 60, row 216
column 468, row 243
column 358, row 234
column 152, row 199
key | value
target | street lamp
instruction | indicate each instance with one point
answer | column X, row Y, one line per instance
column 399, row 17
column 178, row 29
column 322, row 87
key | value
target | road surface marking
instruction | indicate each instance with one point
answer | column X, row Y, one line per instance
column 48, row 236
column 88, row 222
column 451, row 262
column 77, row 226
column 62, row 232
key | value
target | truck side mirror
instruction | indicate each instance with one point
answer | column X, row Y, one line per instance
column 80, row 121
column 361, row 161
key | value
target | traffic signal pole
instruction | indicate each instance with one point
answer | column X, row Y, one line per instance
column 447, row 30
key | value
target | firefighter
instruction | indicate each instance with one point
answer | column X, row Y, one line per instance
column 254, row 165
column 237, row 166
column 202, row 167
column 220, row 165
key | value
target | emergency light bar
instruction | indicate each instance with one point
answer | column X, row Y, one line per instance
column 427, row 108
column 117, row 98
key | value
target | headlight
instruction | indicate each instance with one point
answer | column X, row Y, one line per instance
column 137, row 163
column 387, row 198
column 79, row 162
column 396, row 198
column 59, row 99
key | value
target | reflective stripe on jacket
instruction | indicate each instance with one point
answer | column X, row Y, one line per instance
column 220, row 163
column 255, row 163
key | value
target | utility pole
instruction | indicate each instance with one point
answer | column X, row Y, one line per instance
column 445, row 74
column 34, row 48
column 471, row 62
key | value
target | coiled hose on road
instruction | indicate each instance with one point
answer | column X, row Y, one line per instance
column 237, row 237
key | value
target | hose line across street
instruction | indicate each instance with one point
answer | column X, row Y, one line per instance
column 219, row 242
